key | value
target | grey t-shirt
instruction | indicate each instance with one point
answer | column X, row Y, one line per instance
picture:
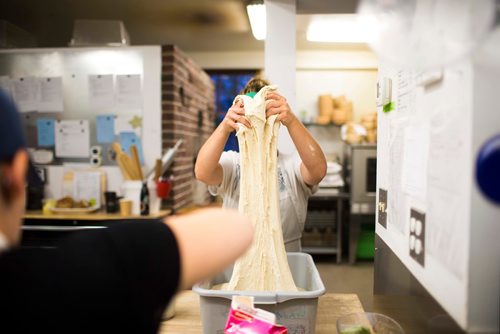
column 293, row 191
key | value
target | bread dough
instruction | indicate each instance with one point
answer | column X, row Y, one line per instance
column 264, row 267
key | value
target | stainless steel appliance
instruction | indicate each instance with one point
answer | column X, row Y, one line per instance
column 361, row 182
column 436, row 262
column 361, row 177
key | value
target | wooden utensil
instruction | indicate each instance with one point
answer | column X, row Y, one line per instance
column 166, row 160
column 117, row 148
column 157, row 169
column 137, row 161
column 128, row 165
column 124, row 170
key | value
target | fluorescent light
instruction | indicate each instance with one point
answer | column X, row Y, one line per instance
column 340, row 28
column 257, row 15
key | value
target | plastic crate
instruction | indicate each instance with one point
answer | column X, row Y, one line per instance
column 295, row 310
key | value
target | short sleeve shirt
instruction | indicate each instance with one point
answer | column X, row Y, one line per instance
column 293, row 191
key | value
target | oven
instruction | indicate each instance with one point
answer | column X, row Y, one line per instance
column 361, row 177
column 361, row 181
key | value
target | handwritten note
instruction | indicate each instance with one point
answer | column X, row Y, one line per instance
column 101, row 91
column 51, row 95
column 87, row 186
column 25, row 93
column 72, row 139
column 129, row 91
column 415, row 159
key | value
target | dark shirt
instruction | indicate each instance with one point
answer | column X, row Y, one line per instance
column 115, row 280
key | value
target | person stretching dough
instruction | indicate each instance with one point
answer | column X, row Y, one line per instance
column 298, row 175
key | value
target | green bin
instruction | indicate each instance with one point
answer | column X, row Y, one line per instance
column 366, row 243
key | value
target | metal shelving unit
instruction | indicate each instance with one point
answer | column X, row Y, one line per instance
column 323, row 227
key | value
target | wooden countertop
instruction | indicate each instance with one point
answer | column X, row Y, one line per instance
column 98, row 215
column 330, row 307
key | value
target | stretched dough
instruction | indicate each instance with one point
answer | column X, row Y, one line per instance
column 264, row 267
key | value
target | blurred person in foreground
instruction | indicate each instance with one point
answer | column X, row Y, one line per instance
column 298, row 174
column 114, row 280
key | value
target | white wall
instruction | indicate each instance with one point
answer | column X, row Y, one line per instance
column 334, row 59
column 357, row 86
column 228, row 60
column 351, row 73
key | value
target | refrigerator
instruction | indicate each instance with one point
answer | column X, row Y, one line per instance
column 437, row 257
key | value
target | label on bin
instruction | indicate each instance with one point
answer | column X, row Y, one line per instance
column 243, row 318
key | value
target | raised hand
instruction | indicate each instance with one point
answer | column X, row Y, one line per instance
column 278, row 105
column 235, row 115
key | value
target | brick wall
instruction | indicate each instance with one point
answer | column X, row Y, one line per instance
column 188, row 112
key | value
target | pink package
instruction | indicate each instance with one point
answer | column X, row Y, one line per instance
column 243, row 318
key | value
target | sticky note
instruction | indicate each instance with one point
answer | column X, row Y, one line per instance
column 127, row 139
column 45, row 129
column 105, row 128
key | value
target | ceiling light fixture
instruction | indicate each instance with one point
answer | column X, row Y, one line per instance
column 257, row 15
column 340, row 28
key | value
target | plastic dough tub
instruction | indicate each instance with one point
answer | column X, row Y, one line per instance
column 295, row 310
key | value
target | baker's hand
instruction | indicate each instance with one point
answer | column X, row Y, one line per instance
column 277, row 105
column 235, row 115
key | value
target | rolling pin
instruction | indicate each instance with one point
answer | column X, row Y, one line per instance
column 124, row 170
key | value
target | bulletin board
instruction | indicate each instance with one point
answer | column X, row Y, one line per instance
column 72, row 99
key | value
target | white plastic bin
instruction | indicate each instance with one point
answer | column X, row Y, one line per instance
column 132, row 190
column 154, row 200
column 295, row 310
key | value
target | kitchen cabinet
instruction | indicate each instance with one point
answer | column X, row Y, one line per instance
column 323, row 227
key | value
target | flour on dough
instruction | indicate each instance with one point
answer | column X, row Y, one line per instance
column 264, row 267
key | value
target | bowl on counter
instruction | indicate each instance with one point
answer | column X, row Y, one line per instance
column 368, row 323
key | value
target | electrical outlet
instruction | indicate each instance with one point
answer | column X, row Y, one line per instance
column 417, row 236
column 382, row 207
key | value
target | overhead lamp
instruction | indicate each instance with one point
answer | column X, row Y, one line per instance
column 256, row 11
column 340, row 28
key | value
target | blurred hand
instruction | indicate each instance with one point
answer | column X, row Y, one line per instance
column 235, row 115
column 277, row 105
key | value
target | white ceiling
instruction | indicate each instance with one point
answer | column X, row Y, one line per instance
column 193, row 25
